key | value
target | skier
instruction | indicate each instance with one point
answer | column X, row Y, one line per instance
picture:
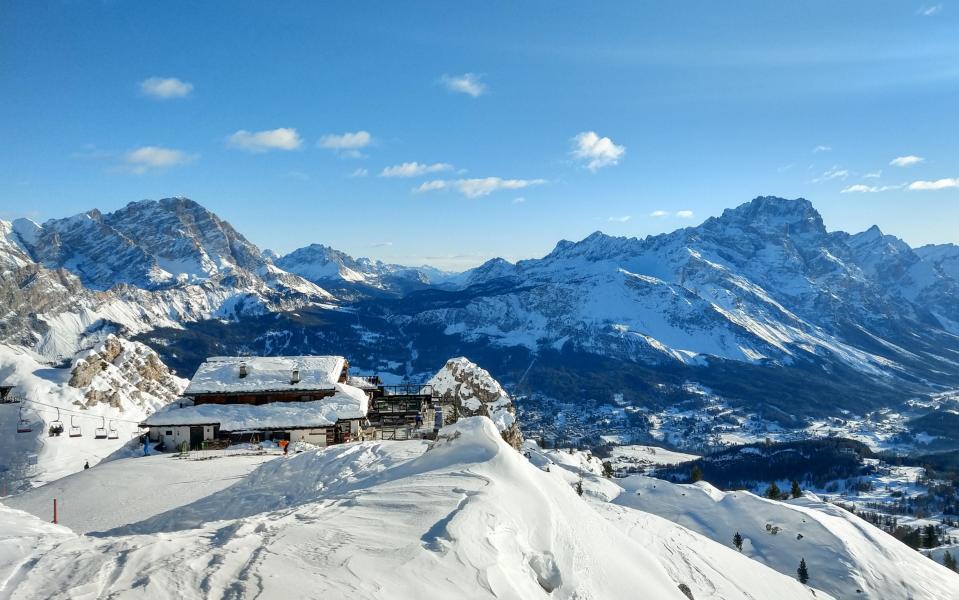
column 86, row 465
column 284, row 444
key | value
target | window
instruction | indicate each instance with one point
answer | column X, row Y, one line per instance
column 169, row 432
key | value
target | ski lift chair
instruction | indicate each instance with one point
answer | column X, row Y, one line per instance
column 112, row 433
column 23, row 426
column 74, row 428
column 100, row 433
column 56, row 426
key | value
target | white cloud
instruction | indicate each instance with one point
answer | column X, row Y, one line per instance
column 906, row 161
column 431, row 186
column 478, row 187
column 346, row 141
column 165, row 88
column 684, row 214
column 595, row 151
column 284, row 138
column 474, row 188
column 835, row 172
column 381, row 244
column 928, row 10
column 149, row 158
column 467, row 83
column 519, row 200
column 347, row 144
column 868, row 189
column 819, row 149
column 784, row 168
column 873, row 175
column 658, row 214
column 361, row 172
column 622, row 219
column 939, row 184
column 414, row 169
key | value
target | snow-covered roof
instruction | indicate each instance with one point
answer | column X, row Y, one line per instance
column 347, row 402
column 221, row 374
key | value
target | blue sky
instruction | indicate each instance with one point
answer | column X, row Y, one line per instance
column 449, row 133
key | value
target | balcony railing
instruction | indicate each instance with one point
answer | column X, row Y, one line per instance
column 407, row 389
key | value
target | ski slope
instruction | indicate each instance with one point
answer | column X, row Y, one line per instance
column 465, row 517
column 115, row 493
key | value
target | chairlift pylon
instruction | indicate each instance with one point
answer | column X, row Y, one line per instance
column 100, row 433
column 23, row 426
column 74, row 428
column 56, row 426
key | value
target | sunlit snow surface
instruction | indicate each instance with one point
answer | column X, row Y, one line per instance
column 467, row 517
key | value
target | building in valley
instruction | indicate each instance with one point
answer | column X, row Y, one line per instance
column 297, row 398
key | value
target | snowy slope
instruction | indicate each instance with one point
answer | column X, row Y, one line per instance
column 843, row 552
column 116, row 383
column 469, row 518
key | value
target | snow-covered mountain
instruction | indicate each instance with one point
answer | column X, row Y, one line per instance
column 760, row 304
column 764, row 281
column 763, row 284
column 350, row 276
column 68, row 282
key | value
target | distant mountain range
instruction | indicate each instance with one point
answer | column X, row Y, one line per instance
column 761, row 304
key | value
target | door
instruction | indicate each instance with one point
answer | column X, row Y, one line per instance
column 196, row 437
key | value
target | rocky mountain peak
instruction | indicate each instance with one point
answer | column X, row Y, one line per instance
column 772, row 215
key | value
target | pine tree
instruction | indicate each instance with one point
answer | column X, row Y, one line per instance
column 796, row 491
column 773, row 491
column 696, row 474
column 802, row 571
column 607, row 469
column 738, row 541
column 949, row 561
column 579, row 487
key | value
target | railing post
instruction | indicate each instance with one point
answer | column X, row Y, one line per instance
column 54, row 511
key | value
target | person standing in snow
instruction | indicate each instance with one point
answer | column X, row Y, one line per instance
column 284, row 444
column 86, row 465
column 419, row 421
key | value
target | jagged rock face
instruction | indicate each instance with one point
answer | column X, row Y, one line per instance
column 149, row 244
column 118, row 370
column 67, row 283
column 475, row 392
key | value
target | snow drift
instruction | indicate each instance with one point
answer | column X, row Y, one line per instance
column 467, row 518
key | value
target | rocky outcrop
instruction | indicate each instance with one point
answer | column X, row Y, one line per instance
column 118, row 370
column 473, row 391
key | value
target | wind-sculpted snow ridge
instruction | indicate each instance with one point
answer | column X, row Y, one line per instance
column 468, row 518
column 846, row 556
column 113, row 386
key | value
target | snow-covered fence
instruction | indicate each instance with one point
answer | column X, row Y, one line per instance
column 225, row 452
